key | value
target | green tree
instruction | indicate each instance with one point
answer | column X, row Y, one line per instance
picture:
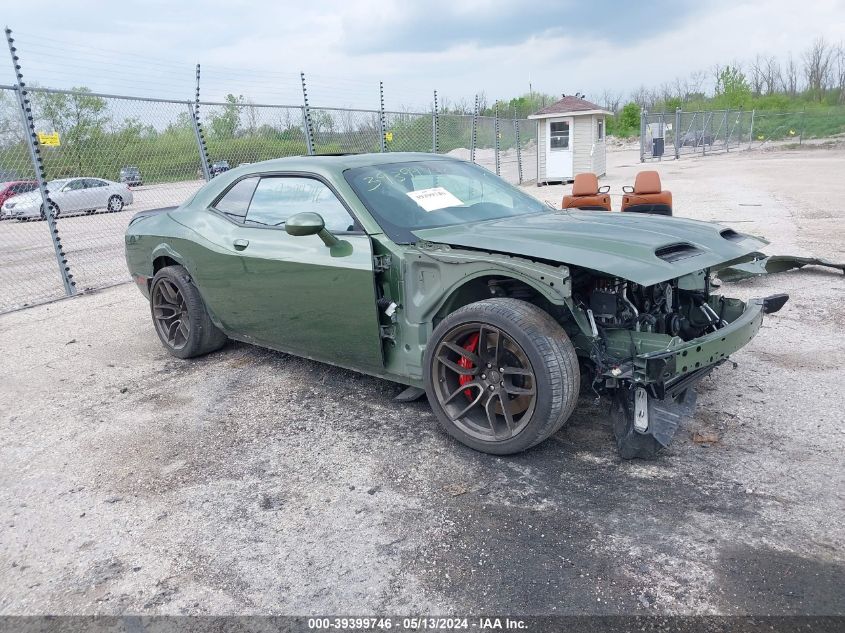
column 629, row 117
column 732, row 89
column 672, row 103
column 79, row 118
column 225, row 123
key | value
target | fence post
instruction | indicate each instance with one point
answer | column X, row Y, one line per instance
column 496, row 132
column 198, row 133
column 38, row 166
column 382, row 125
column 751, row 129
column 434, row 126
column 474, row 135
column 306, row 118
column 643, row 115
column 803, row 118
column 727, row 145
column 518, row 150
column 675, row 135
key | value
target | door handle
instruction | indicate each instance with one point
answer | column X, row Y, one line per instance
column 240, row 244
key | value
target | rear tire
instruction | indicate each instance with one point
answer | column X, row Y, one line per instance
column 519, row 366
column 180, row 317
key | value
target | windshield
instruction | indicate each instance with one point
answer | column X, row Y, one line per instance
column 403, row 197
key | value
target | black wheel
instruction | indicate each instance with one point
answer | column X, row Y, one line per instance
column 501, row 375
column 55, row 209
column 179, row 315
column 630, row 443
column 115, row 204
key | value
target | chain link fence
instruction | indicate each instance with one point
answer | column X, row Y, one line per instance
column 682, row 133
column 107, row 157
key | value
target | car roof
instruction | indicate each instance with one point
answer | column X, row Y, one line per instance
column 342, row 162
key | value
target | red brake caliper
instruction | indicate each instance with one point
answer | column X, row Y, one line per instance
column 466, row 363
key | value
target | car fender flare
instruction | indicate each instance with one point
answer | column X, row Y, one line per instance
column 166, row 250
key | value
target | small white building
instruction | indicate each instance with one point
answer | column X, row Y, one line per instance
column 570, row 140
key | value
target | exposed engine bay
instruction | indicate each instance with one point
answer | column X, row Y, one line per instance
column 664, row 308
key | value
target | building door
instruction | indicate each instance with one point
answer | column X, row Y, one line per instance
column 559, row 149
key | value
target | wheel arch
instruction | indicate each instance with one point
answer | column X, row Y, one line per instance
column 165, row 255
column 490, row 284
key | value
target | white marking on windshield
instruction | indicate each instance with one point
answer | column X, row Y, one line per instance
column 434, row 199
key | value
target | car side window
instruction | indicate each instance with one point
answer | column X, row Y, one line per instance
column 91, row 183
column 278, row 198
column 235, row 202
column 76, row 185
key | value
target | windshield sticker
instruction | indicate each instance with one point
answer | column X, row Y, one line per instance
column 434, row 199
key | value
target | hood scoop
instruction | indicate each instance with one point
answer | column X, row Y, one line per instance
column 677, row 252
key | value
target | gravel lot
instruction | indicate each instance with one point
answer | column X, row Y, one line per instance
column 254, row 482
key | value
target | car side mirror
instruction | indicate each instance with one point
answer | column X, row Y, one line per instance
column 309, row 223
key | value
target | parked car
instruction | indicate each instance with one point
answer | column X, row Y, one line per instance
column 14, row 188
column 131, row 176
column 696, row 139
column 435, row 273
column 219, row 167
column 70, row 195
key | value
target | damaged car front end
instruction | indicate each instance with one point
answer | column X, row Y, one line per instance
column 641, row 310
column 654, row 344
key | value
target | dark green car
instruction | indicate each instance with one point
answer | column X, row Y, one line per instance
column 434, row 273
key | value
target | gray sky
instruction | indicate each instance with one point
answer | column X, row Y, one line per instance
column 345, row 48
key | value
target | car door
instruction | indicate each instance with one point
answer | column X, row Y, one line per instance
column 291, row 293
column 72, row 196
column 96, row 193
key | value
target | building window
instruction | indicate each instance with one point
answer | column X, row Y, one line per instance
column 600, row 130
column 559, row 135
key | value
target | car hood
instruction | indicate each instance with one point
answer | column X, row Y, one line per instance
column 26, row 198
column 642, row 248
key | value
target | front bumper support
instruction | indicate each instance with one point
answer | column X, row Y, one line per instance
column 689, row 358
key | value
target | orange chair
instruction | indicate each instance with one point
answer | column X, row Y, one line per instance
column 646, row 196
column 586, row 194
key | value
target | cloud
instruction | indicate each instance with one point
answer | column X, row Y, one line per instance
column 439, row 25
column 460, row 47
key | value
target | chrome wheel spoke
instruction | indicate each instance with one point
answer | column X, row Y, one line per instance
column 463, row 371
column 463, row 351
column 462, row 389
column 484, row 349
column 472, row 403
column 506, row 413
column 516, row 371
column 513, row 390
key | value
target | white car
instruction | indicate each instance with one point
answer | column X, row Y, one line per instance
column 70, row 195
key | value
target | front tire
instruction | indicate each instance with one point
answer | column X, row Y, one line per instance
column 180, row 317
column 115, row 204
column 501, row 375
column 55, row 209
